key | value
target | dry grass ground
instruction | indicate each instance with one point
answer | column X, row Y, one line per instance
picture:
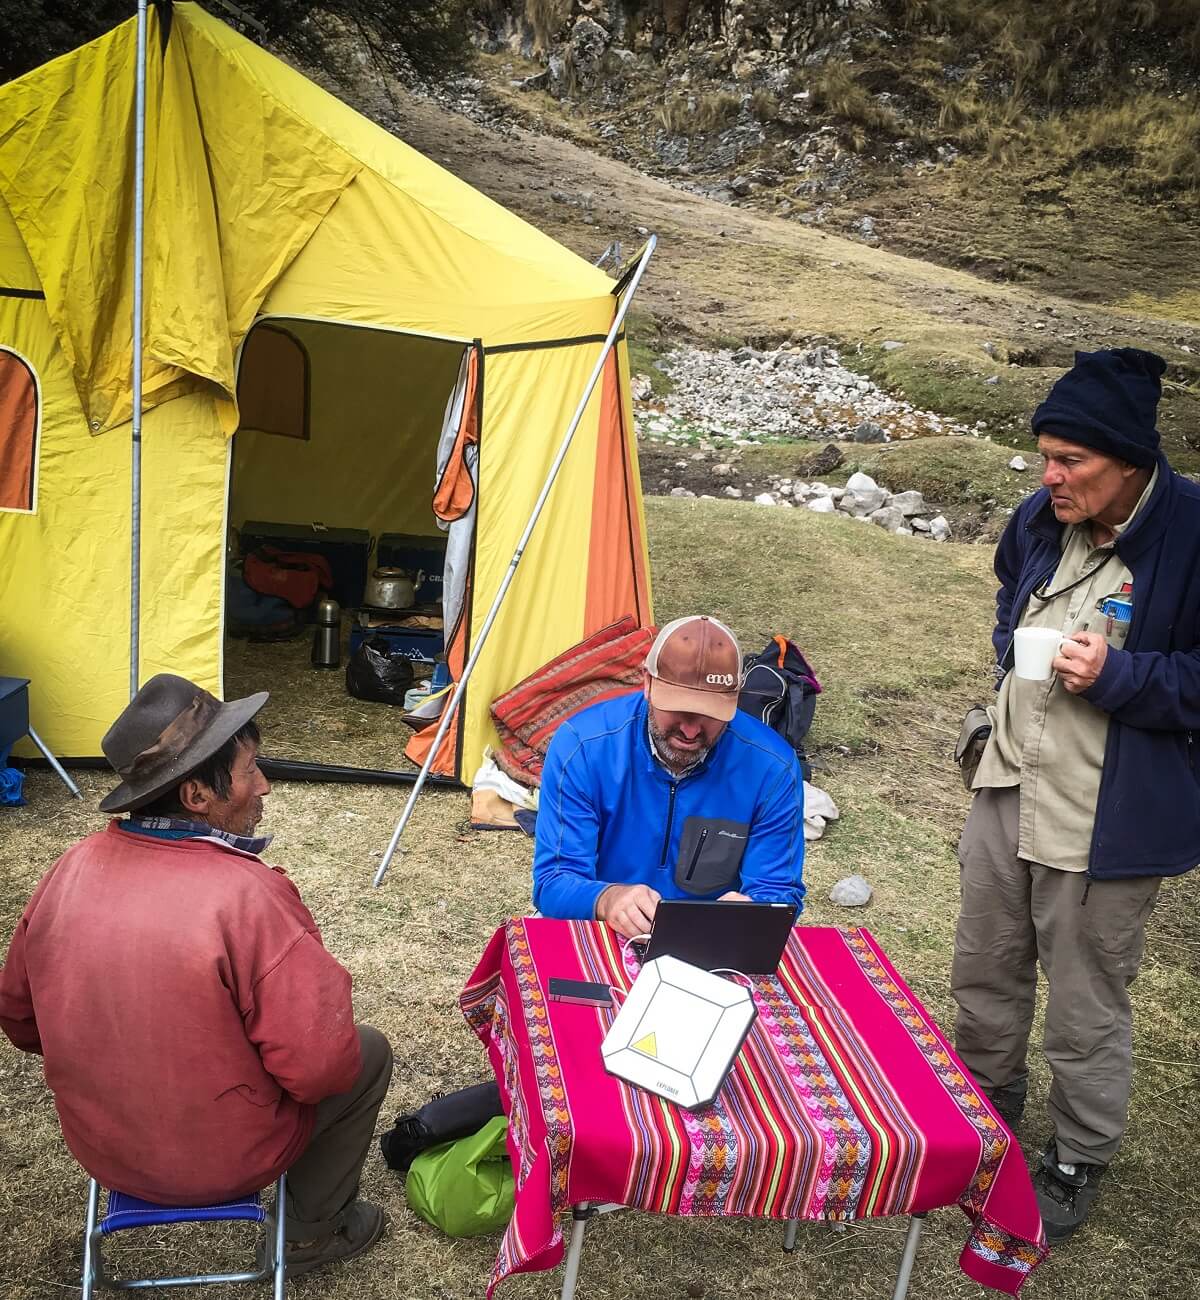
column 310, row 716
column 897, row 630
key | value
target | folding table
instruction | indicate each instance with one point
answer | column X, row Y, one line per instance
column 845, row 1103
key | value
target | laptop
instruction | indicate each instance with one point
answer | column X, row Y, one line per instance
column 746, row 937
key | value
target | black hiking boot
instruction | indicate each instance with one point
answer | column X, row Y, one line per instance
column 1064, row 1193
column 1009, row 1100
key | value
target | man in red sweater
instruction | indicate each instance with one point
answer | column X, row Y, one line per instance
column 197, row 1037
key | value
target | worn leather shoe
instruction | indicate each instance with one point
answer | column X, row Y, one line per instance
column 1064, row 1193
column 361, row 1227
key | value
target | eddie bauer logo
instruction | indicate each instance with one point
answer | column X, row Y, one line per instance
column 720, row 679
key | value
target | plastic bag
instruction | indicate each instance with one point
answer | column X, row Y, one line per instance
column 375, row 672
column 11, row 782
column 465, row 1188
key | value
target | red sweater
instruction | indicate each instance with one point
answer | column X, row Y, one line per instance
column 188, row 1013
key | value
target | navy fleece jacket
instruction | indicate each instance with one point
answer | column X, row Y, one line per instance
column 1148, row 809
column 609, row 813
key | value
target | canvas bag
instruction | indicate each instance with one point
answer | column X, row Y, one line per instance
column 465, row 1188
column 780, row 688
column 972, row 741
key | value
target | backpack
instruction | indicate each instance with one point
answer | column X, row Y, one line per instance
column 780, row 688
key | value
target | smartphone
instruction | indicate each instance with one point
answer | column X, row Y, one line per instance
column 584, row 992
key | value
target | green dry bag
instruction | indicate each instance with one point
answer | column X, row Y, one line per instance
column 464, row 1187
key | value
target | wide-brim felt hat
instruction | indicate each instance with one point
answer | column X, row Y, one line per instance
column 167, row 730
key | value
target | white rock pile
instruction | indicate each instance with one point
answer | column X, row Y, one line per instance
column 791, row 392
column 903, row 513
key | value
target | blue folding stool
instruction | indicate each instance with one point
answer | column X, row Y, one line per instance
column 123, row 1212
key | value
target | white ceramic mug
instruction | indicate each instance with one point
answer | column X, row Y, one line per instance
column 1034, row 649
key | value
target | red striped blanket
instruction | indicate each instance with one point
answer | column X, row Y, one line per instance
column 605, row 664
column 845, row 1102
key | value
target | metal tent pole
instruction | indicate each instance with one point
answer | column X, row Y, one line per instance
column 628, row 285
column 139, row 190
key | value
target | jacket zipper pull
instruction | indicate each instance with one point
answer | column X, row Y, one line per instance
column 670, row 819
column 696, row 853
column 1087, row 884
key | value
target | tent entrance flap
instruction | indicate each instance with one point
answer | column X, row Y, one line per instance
column 337, row 446
column 624, row 296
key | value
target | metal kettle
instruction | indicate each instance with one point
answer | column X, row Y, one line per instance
column 390, row 588
column 327, row 634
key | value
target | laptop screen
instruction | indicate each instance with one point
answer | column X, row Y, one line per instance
column 745, row 937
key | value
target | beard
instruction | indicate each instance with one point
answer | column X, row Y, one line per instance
column 675, row 760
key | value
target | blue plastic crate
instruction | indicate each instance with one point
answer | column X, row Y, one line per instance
column 416, row 642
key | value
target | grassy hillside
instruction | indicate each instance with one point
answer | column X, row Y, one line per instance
column 1049, row 145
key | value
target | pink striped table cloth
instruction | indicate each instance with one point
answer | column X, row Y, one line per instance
column 846, row 1102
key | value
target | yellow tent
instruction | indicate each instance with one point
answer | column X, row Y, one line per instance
column 306, row 274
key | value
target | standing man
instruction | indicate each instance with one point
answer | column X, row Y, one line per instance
column 1089, row 789
column 671, row 793
column 197, row 1037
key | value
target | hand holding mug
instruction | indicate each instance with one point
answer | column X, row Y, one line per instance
column 1079, row 660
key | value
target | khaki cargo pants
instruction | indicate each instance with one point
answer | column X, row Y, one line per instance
column 1016, row 914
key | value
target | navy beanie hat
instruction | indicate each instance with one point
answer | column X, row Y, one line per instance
column 1107, row 401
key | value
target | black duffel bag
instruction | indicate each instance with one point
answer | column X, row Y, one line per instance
column 376, row 672
column 444, row 1119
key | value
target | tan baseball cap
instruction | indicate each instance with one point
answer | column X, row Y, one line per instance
column 696, row 667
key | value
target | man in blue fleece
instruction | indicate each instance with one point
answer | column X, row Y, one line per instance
column 671, row 793
column 1088, row 792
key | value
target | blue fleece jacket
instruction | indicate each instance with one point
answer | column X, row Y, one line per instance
column 1148, row 808
column 610, row 813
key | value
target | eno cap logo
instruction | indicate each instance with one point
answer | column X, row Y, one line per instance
column 720, row 679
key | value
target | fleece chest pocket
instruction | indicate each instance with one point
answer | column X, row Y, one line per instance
column 1115, row 615
column 710, row 855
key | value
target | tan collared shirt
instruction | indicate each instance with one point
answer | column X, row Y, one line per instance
column 1044, row 739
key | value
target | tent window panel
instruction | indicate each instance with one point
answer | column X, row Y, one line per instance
column 274, row 383
column 20, row 413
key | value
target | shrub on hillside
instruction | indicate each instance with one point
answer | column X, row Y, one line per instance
column 837, row 90
column 682, row 114
column 1053, row 51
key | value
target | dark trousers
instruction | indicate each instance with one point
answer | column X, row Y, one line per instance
column 1016, row 915
column 323, row 1183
